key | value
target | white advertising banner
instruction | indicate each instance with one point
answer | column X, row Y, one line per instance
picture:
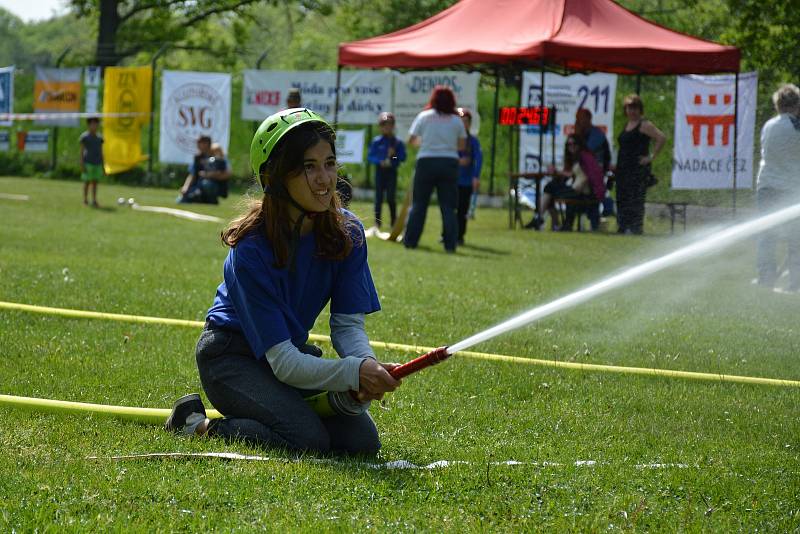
column 4, row 140
column 568, row 94
column 36, row 140
column 193, row 104
column 364, row 93
column 412, row 91
column 704, row 126
column 350, row 146
column 91, row 85
column 6, row 92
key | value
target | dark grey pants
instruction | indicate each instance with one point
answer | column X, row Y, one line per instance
column 440, row 174
column 262, row 410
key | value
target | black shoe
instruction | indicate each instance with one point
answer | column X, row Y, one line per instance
column 187, row 414
column 536, row 223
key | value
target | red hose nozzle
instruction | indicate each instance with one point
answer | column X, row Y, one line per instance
column 417, row 364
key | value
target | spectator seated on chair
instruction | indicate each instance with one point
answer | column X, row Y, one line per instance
column 586, row 189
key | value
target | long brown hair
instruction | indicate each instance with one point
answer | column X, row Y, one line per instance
column 270, row 214
column 571, row 159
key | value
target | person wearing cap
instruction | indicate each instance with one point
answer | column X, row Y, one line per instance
column 292, row 252
column 386, row 152
column 470, row 161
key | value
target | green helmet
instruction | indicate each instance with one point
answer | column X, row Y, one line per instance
column 274, row 128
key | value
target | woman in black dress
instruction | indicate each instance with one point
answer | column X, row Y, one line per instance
column 633, row 165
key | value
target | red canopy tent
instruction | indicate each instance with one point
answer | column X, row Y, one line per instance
column 577, row 35
column 580, row 35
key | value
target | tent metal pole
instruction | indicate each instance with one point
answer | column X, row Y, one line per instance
column 541, row 131
column 735, row 136
column 494, row 127
column 638, row 84
column 336, row 102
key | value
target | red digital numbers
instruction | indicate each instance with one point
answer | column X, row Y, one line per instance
column 535, row 116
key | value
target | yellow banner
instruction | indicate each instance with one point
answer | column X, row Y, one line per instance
column 127, row 90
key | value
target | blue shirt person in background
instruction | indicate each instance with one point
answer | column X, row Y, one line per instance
column 386, row 152
column 292, row 252
column 470, row 161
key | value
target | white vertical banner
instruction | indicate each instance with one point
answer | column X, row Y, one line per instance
column 37, row 140
column 704, row 129
column 193, row 104
column 6, row 93
column 364, row 93
column 4, row 140
column 350, row 146
column 91, row 85
column 412, row 91
column 568, row 94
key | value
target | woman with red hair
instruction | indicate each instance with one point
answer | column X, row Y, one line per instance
column 439, row 134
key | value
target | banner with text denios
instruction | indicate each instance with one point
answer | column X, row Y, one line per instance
column 412, row 91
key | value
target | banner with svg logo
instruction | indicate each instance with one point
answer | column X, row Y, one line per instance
column 704, row 127
column 193, row 104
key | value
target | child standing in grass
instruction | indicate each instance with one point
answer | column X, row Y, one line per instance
column 91, row 159
column 386, row 152
column 292, row 252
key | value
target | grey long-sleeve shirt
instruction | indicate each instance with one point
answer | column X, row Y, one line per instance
column 304, row 371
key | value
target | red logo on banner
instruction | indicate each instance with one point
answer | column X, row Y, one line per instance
column 710, row 121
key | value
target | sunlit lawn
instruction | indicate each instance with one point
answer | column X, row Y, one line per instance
column 671, row 454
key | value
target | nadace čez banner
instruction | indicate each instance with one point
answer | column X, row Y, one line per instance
column 57, row 91
column 568, row 94
column 412, row 91
column 364, row 93
column 126, row 90
column 704, row 126
column 193, row 104
column 6, row 92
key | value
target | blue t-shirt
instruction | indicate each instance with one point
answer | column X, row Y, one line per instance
column 379, row 150
column 270, row 305
column 467, row 172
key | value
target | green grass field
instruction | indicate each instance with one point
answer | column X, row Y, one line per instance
column 671, row 454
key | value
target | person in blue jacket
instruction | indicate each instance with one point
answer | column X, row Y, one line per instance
column 292, row 252
column 470, row 161
column 386, row 152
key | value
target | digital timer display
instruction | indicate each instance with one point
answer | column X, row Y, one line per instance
column 534, row 116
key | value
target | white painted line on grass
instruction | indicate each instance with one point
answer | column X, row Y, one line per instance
column 393, row 465
column 12, row 196
column 183, row 214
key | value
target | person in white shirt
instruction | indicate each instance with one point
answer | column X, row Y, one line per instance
column 779, row 185
column 439, row 133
